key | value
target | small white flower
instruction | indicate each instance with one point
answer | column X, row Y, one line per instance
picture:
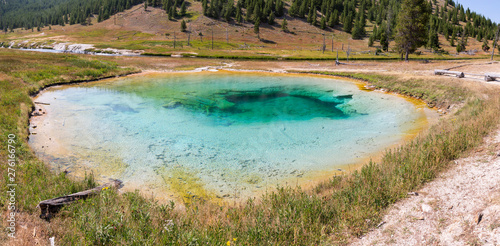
column 168, row 226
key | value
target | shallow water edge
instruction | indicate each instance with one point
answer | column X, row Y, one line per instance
column 117, row 167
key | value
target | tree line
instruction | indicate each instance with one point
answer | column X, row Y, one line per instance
column 29, row 14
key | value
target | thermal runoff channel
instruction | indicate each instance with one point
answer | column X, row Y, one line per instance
column 217, row 134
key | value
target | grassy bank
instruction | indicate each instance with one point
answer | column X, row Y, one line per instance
column 331, row 212
column 21, row 75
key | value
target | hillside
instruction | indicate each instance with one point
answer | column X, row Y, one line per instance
column 152, row 29
column 155, row 27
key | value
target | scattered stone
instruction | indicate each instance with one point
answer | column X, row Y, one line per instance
column 479, row 218
column 380, row 224
column 426, row 208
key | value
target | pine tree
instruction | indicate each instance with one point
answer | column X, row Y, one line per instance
column 384, row 42
column 284, row 25
column 331, row 21
column 271, row 19
column 310, row 16
column 256, row 14
column 239, row 18
column 348, row 23
column 280, row 8
column 256, row 26
column 204, row 5
column 183, row 26
column 485, row 46
column 462, row 44
column 433, row 41
column 172, row 13
column 183, row 8
column 359, row 30
column 371, row 40
column 412, row 26
column 303, row 9
column 294, row 9
column 323, row 22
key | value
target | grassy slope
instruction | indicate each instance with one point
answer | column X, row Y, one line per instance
column 331, row 212
column 22, row 74
column 152, row 32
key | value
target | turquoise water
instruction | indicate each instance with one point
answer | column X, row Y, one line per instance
column 228, row 134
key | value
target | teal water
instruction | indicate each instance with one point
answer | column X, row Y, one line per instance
column 227, row 134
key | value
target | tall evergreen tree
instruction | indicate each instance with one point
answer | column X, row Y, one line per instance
column 433, row 41
column 183, row 8
column 412, row 26
column 239, row 18
column 384, row 42
column 270, row 21
column 284, row 25
column 348, row 23
column 256, row 26
column 183, row 26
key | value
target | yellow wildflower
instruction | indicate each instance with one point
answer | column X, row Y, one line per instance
column 228, row 243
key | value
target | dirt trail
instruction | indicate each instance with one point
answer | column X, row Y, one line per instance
column 461, row 207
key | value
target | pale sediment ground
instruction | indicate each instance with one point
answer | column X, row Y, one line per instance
column 461, row 207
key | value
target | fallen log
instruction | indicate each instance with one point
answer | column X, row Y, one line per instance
column 491, row 77
column 52, row 206
column 442, row 72
column 42, row 103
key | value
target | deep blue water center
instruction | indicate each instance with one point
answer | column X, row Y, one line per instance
column 266, row 104
column 231, row 133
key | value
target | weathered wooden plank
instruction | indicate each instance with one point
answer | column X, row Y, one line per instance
column 491, row 77
column 442, row 72
column 52, row 206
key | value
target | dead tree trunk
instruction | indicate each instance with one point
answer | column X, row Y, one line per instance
column 332, row 42
column 189, row 35
column 52, row 206
column 324, row 44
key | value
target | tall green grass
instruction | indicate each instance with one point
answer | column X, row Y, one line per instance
column 330, row 213
column 21, row 75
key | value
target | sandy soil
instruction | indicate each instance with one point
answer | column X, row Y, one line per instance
column 461, row 207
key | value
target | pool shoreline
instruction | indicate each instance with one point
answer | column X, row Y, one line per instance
column 346, row 169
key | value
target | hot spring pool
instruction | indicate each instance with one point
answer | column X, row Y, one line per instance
column 221, row 134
